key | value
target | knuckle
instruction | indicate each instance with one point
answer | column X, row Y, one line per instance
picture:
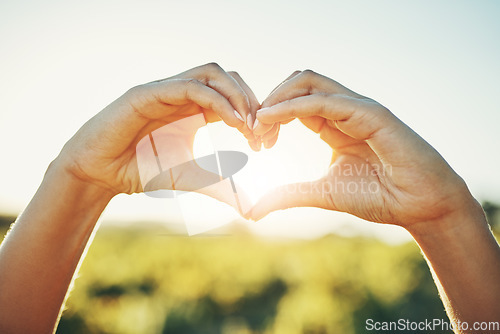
column 375, row 107
column 323, row 101
column 213, row 67
column 191, row 82
column 189, row 86
column 309, row 74
column 135, row 90
column 138, row 97
column 234, row 74
column 308, row 79
column 135, row 93
column 326, row 99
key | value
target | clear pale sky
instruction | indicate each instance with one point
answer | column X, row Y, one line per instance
column 435, row 64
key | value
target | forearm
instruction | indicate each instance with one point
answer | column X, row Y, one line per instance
column 465, row 260
column 40, row 254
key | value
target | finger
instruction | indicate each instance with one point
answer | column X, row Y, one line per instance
column 182, row 91
column 215, row 77
column 287, row 121
column 305, row 194
column 259, row 128
column 272, row 132
column 270, row 138
column 359, row 118
column 254, row 103
column 305, row 83
column 332, row 107
column 330, row 133
column 144, row 108
column 254, row 106
column 315, row 123
column 269, row 143
column 211, row 117
column 255, row 144
column 288, row 78
column 262, row 129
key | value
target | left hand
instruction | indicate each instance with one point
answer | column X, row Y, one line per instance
column 381, row 170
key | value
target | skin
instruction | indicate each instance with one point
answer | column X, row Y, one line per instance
column 419, row 191
column 411, row 186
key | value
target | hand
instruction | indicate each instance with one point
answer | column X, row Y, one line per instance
column 103, row 151
column 381, row 170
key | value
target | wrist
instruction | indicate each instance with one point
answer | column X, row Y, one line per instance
column 456, row 240
column 468, row 216
column 73, row 191
column 464, row 257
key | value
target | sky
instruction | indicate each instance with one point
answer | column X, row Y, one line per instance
column 432, row 63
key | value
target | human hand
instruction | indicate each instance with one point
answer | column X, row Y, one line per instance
column 388, row 172
column 103, row 151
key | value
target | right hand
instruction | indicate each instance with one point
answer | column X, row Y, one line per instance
column 103, row 151
column 396, row 177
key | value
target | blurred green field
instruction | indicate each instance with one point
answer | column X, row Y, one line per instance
column 145, row 281
column 137, row 280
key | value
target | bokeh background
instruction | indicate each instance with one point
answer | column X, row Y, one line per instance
column 433, row 63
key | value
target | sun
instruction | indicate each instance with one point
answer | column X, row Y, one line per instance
column 291, row 160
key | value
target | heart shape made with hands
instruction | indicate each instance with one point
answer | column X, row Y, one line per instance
column 225, row 170
column 166, row 159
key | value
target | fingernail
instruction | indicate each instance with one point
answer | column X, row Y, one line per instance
column 238, row 116
column 263, row 110
column 255, row 124
column 250, row 121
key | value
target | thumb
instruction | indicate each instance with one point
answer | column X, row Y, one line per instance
column 228, row 192
column 302, row 194
column 189, row 176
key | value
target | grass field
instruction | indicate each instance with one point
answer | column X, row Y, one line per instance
column 146, row 280
column 136, row 280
